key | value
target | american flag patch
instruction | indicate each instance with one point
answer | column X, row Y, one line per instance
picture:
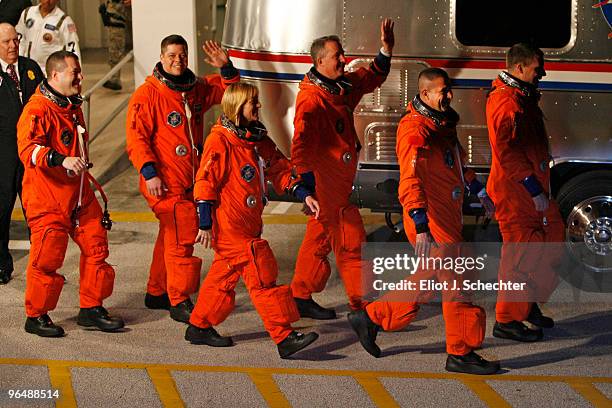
column 72, row 28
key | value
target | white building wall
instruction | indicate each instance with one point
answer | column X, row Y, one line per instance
column 152, row 21
column 87, row 19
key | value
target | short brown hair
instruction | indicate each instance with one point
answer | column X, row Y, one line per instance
column 317, row 48
column 173, row 39
column 234, row 98
column 522, row 53
column 57, row 61
column 430, row 74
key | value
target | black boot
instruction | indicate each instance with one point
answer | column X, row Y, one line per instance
column 517, row 331
column 310, row 308
column 471, row 363
column 98, row 317
column 538, row 319
column 5, row 276
column 366, row 331
column 112, row 85
column 182, row 311
column 294, row 342
column 43, row 326
column 157, row 302
column 208, row 336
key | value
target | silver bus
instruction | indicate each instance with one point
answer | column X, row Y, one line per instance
column 269, row 41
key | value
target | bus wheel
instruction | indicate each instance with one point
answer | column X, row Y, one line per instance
column 586, row 205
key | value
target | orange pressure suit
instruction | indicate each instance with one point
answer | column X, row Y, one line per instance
column 231, row 176
column 51, row 124
column 165, row 127
column 433, row 178
column 325, row 142
column 520, row 149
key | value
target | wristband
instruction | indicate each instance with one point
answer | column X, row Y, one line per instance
column 228, row 71
column 475, row 187
column 301, row 192
column 148, row 171
column 205, row 214
column 55, row 158
column 421, row 222
column 532, row 185
column 382, row 62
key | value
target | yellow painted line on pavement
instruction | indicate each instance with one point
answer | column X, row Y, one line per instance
column 262, row 377
column 17, row 215
column 589, row 392
column 268, row 389
column 306, row 371
column 377, row 392
column 281, row 207
column 166, row 387
column 117, row 216
column 61, row 380
column 485, row 392
column 123, row 216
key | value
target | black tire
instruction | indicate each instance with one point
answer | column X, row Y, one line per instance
column 581, row 189
column 585, row 185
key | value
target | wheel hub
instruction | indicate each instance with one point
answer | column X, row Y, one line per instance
column 589, row 232
column 598, row 236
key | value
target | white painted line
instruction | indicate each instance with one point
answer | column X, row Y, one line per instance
column 19, row 245
column 281, row 208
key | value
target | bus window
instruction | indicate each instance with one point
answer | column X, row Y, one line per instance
column 546, row 23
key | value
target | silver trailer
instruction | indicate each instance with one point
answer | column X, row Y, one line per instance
column 269, row 41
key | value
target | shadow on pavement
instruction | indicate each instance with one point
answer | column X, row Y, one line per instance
column 594, row 327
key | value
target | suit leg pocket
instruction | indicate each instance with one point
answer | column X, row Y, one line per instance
column 263, row 262
column 351, row 224
column 280, row 308
column 186, row 221
column 50, row 256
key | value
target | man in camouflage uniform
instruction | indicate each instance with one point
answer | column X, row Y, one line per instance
column 116, row 16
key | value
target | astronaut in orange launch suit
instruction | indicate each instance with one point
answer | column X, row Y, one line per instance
column 230, row 190
column 59, row 202
column 165, row 129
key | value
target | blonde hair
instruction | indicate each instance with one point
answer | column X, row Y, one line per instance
column 235, row 97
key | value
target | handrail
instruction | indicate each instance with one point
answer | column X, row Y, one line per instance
column 108, row 76
column 87, row 95
column 108, row 120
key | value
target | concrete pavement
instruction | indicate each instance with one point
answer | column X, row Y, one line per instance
column 150, row 364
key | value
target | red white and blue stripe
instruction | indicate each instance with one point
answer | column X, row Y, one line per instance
column 466, row 73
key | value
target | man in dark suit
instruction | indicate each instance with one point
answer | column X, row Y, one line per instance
column 19, row 77
column 10, row 10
